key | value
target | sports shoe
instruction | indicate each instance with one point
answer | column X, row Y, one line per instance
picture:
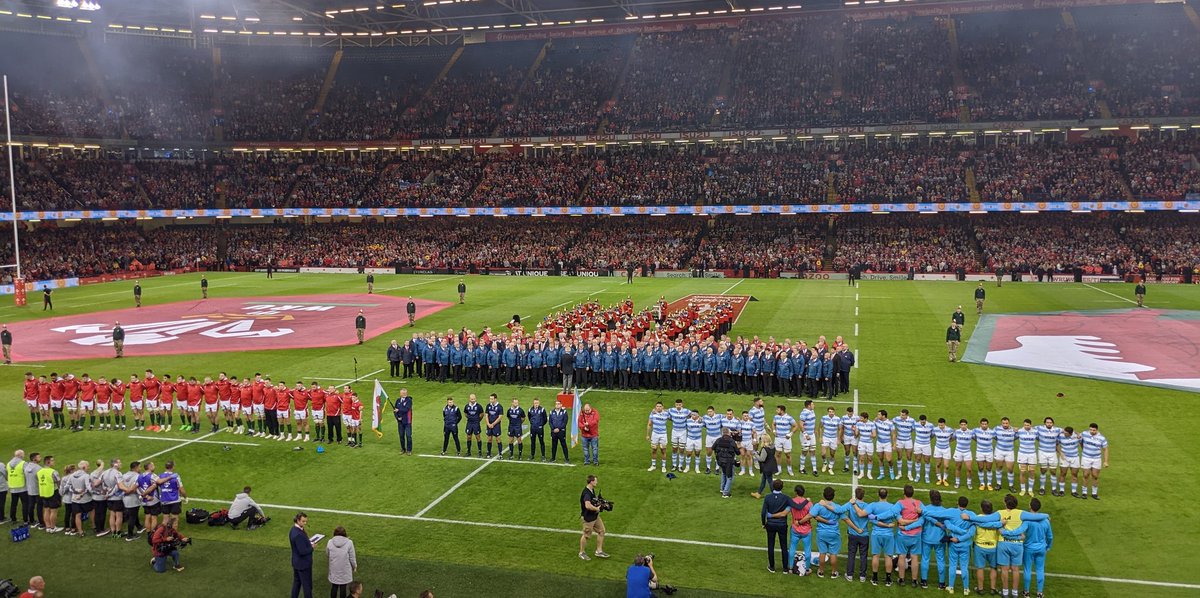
column 102, row 533
column 707, row 470
column 179, row 567
column 306, row 438
column 820, row 573
column 870, row 475
column 663, row 468
column 686, row 468
column 833, row 575
column 584, row 557
column 874, row 581
column 862, row 579
column 966, row 591
column 601, row 554
column 1095, row 497
column 130, row 537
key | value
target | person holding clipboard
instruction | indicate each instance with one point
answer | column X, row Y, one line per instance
column 302, row 550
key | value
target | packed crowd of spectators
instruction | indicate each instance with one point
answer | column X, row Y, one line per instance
column 914, row 172
column 512, row 179
column 672, row 81
column 269, row 96
column 1023, row 66
column 175, row 184
column 904, row 242
column 569, row 89
column 36, row 189
column 1052, row 242
column 763, row 244
column 897, row 72
column 1162, row 169
column 757, row 246
column 1050, row 172
column 783, row 73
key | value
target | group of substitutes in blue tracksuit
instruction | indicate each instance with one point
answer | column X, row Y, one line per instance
column 740, row 367
column 1010, row 539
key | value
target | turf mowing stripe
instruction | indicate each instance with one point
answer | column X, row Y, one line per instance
column 1110, row 293
column 196, row 441
column 865, row 483
column 510, row 460
column 575, row 532
column 180, row 445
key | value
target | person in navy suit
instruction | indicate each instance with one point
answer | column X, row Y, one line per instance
column 302, row 550
column 402, row 408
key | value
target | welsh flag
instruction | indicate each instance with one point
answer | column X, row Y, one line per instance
column 379, row 399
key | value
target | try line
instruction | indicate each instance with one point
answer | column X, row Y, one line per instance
column 575, row 532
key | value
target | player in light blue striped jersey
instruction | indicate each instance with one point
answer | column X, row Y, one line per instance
column 985, row 454
column 782, row 428
column 758, row 415
column 1027, row 456
column 922, row 445
column 656, row 433
column 830, row 431
column 962, row 452
column 904, row 444
column 712, row 431
column 1095, row 456
column 695, row 440
column 679, row 417
column 808, row 439
column 1068, row 462
column 864, row 432
column 849, row 442
column 1047, row 436
column 1006, row 437
column 885, row 443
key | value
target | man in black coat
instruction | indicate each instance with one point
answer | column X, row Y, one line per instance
column 411, row 308
column 567, row 363
column 726, row 451
column 408, row 355
column 774, row 518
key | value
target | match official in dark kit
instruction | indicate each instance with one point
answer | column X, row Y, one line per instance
column 537, row 425
column 451, row 416
column 402, row 409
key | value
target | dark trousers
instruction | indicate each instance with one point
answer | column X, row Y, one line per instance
column 234, row 521
column 404, row 430
column 568, row 379
column 537, row 438
column 555, row 441
column 857, row 547
column 777, row 532
column 272, row 422
column 395, row 368
column 302, row 580
column 333, row 423
column 443, row 372
column 624, row 379
column 17, row 497
column 3, row 501
column 447, row 433
column 845, row 380
column 408, row 370
column 339, row 590
column 29, row 506
column 99, row 515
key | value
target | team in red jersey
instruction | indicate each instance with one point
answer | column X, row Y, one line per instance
column 255, row 407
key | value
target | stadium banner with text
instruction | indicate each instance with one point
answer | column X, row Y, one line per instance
column 30, row 285
column 346, row 271
column 685, row 210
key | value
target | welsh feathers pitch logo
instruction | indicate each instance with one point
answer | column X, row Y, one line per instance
column 1139, row 346
column 216, row 325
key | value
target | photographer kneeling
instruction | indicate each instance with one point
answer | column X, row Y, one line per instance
column 165, row 543
column 640, row 578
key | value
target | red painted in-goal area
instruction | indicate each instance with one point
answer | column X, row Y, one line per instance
column 215, row 325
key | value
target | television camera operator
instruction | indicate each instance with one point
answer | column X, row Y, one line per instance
column 590, row 506
column 165, row 543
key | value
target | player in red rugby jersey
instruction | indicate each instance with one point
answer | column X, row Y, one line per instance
column 152, row 389
column 317, row 396
column 243, row 398
column 137, row 403
column 283, row 401
column 270, row 399
column 212, row 400
column 45, row 419
column 259, row 425
column 352, row 413
column 103, row 409
column 166, row 400
column 299, row 397
column 30, row 398
column 194, row 396
column 116, row 402
column 70, row 388
column 225, row 390
column 87, row 401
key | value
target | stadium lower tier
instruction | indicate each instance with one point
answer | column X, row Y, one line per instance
column 747, row 246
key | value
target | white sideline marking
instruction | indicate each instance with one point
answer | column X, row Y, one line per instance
column 575, row 532
column 856, row 329
column 856, row 311
column 180, row 445
column 483, row 466
column 591, row 389
column 417, row 284
column 734, row 285
column 489, row 459
column 1127, row 299
column 197, row 441
column 22, row 365
column 860, row 402
column 856, row 359
column 365, row 376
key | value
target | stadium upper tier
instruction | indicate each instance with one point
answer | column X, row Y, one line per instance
column 1151, row 165
column 819, row 70
column 743, row 246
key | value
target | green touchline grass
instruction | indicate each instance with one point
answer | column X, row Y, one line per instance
column 511, row 529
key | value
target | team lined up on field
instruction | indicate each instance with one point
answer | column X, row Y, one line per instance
column 257, row 407
column 901, row 446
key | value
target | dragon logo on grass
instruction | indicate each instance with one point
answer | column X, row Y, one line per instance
column 1139, row 346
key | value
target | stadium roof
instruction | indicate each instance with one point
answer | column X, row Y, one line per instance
column 252, row 18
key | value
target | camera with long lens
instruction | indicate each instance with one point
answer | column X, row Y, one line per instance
column 176, row 544
column 602, row 503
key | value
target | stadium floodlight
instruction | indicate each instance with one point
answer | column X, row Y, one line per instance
column 67, row 4
column 88, row 5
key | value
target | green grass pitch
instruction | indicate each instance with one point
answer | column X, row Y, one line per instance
column 1144, row 529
